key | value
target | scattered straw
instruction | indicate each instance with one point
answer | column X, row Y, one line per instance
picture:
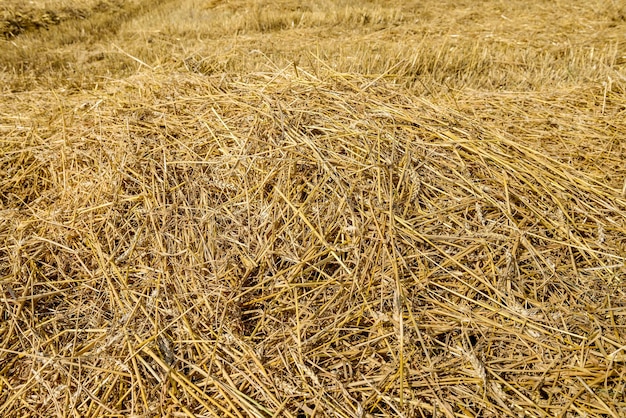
column 293, row 244
column 309, row 241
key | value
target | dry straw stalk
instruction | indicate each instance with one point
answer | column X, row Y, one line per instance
column 315, row 239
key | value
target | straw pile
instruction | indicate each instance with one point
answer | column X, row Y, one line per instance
column 294, row 243
column 307, row 242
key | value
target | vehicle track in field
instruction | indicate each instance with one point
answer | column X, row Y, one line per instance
column 53, row 46
column 101, row 17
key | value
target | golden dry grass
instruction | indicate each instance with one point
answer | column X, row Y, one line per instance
column 18, row 17
column 316, row 209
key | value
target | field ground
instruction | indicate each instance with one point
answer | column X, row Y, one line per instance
column 312, row 208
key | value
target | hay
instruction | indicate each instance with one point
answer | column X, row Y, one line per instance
column 308, row 241
column 287, row 244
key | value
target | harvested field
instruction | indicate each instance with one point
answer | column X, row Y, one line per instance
column 250, row 208
column 18, row 17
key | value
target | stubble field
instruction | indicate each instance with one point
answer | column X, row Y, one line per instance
column 312, row 208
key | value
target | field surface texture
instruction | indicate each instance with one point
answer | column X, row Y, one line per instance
column 312, row 208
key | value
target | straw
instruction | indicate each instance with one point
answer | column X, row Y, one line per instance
column 304, row 239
